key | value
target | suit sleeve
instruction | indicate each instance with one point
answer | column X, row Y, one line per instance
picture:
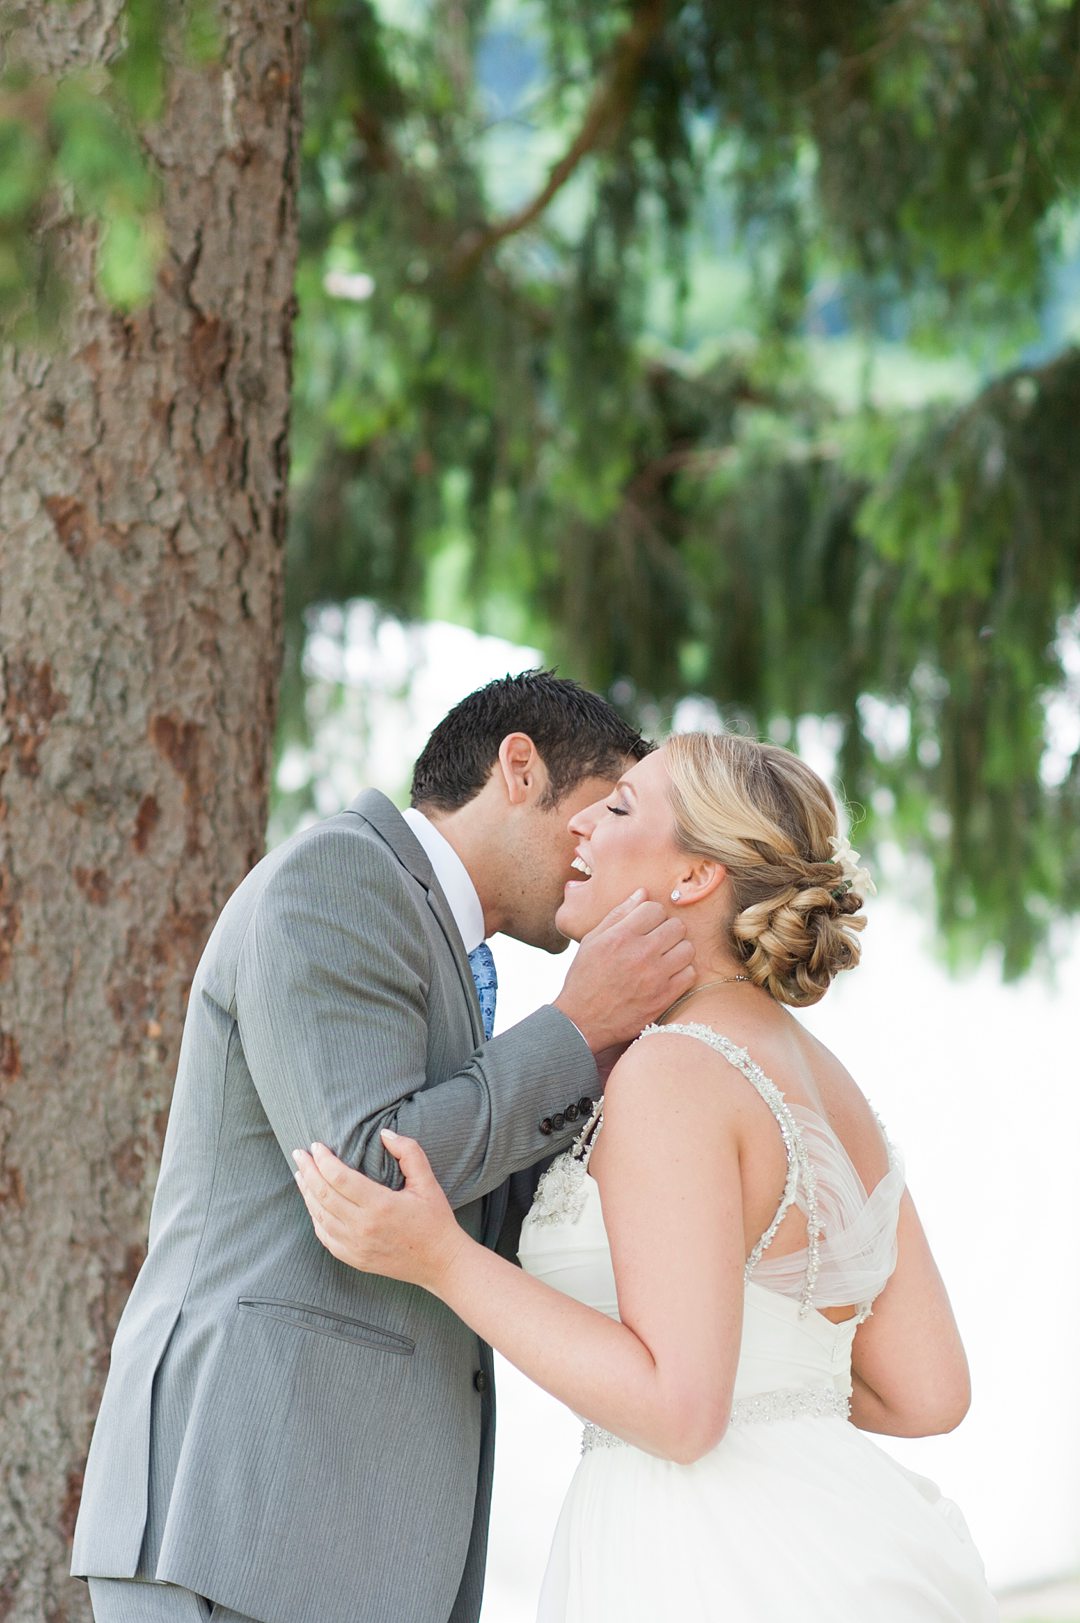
column 331, row 1005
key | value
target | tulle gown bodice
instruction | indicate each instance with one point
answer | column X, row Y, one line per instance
column 795, row 1512
column 790, row 1353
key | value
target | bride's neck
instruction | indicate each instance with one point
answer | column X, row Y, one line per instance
column 713, row 960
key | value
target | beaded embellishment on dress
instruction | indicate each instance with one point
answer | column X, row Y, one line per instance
column 790, row 1403
column 561, row 1192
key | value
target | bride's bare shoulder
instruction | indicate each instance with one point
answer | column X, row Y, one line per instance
column 668, row 1088
column 673, row 1066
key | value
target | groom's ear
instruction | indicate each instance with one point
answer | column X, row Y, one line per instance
column 520, row 768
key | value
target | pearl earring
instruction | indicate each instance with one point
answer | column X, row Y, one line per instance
column 675, row 895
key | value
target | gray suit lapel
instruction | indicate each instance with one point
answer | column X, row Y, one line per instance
column 389, row 824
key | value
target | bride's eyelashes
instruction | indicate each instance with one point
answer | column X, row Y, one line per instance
column 620, row 811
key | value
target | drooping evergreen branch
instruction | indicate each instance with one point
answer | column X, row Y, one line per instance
column 689, row 497
column 605, row 115
column 1000, row 30
column 903, row 17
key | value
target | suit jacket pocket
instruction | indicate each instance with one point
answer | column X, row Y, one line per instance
column 325, row 1323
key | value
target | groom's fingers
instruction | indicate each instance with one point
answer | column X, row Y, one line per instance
column 637, row 913
column 678, row 957
column 621, row 911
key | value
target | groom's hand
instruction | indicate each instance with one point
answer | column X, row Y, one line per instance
column 607, row 1059
column 626, row 972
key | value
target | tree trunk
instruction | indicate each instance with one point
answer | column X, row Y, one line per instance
column 142, row 510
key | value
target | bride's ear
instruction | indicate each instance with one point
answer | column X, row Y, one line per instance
column 701, row 878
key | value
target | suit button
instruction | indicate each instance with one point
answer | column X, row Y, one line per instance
column 585, row 1105
column 480, row 1381
column 545, row 1126
column 558, row 1121
column 572, row 1112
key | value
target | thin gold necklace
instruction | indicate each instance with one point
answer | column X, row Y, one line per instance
column 694, row 990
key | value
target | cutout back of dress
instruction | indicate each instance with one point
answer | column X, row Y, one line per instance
column 851, row 1235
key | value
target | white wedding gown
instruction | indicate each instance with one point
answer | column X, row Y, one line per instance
column 795, row 1516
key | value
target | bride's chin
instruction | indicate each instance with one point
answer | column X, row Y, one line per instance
column 573, row 928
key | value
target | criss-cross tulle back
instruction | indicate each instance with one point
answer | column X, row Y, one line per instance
column 851, row 1235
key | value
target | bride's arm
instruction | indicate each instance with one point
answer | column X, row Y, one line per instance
column 669, row 1179
column 909, row 1373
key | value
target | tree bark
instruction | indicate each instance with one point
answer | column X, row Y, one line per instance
column 142, row 511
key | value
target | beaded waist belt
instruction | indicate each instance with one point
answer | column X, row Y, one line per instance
column 791, row 1403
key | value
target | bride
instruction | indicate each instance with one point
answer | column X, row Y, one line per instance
column 726, row 1277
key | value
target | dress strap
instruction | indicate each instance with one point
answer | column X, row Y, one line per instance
column 583, row 1146
column 800, row 1169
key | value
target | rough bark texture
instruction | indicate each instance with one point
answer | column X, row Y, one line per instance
column 142, row 474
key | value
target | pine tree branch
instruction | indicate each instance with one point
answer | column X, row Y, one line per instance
column 605, row 116
column 850, row 70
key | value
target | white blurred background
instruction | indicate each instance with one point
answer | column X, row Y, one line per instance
column 977, row 1083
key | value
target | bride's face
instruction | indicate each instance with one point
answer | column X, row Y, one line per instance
column 626, row 841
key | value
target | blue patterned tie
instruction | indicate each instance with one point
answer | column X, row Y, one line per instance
column 482, row 965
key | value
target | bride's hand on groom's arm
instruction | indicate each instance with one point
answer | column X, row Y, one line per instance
column 409, row 1234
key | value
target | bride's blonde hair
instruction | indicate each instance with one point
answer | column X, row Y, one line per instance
column 769, row 819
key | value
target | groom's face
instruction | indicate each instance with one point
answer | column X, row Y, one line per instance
column 543, row 861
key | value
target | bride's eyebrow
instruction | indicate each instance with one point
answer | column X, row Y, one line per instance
column 626, row 788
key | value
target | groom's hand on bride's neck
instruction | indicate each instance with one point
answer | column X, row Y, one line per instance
column 627, row 971
column 606, row 1061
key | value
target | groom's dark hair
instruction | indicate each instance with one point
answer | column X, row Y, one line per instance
column 578, row 736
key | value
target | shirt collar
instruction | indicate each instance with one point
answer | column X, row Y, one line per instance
column 453, row 877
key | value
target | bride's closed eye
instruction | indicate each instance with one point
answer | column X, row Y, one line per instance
column 620, row 811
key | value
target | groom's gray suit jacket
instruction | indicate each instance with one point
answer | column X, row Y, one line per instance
column 286, row 1436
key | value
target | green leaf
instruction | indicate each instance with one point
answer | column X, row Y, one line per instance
column 98, row 153
column 128, row 256
column 202, row 33
column 140, row 72
column 24, row 169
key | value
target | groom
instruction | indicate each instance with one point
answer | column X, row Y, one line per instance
column 282, row 1438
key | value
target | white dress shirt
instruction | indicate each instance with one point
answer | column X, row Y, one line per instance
column 453, row 876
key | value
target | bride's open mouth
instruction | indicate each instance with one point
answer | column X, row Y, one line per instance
column 582, row 867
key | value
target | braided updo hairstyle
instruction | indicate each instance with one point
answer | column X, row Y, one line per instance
column 768, row 818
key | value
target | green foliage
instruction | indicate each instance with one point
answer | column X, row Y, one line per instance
column 687, row 342
column 71, row 147
column 95, row 152
column 618, row 259
column 139, row 75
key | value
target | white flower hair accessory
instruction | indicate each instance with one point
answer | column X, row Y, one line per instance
column 854, row 876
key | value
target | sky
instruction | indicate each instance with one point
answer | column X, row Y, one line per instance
column 975, row 1081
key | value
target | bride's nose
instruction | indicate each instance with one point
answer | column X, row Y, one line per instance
column 584, row 821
